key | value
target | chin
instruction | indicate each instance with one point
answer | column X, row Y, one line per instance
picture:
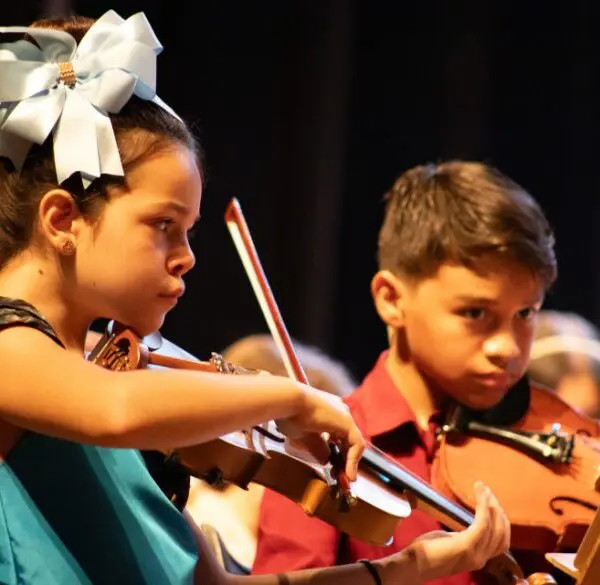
column 144, row 324
column 482, row 400
column 148, row 326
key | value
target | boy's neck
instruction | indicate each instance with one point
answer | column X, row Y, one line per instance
column 423, row 400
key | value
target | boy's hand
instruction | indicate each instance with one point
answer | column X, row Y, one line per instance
column 438, row 554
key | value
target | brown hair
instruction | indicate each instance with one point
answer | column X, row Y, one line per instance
column 458, row 211
column 142, row 129
column 259, row 352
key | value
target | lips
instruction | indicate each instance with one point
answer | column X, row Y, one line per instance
column 177, row 293
column 496, row 380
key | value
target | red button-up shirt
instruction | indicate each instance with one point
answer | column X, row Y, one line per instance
column 289, row 539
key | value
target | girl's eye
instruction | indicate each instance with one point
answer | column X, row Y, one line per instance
column 163, row 225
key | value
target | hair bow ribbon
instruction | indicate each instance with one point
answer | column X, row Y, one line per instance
column 68, row 90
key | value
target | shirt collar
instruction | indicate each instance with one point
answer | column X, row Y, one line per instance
column 377, row 405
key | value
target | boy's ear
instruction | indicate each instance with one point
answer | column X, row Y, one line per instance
column 388, row 294
column 57, row 214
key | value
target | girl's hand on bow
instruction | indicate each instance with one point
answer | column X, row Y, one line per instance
column 321, row 412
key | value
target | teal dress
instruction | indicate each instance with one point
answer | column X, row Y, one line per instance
column 75, row 514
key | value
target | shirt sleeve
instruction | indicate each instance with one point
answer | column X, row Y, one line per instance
column 289, row 539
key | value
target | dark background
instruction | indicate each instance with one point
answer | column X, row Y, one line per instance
column 309, row 109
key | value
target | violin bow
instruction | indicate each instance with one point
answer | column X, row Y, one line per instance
column 242, row 239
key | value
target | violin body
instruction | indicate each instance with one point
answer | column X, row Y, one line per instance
column 248, row 456
column 550, row 505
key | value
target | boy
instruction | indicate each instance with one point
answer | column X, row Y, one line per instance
column 465, row 258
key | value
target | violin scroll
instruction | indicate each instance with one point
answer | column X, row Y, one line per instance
column 120, row 349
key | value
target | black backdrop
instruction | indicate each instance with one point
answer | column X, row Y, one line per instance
column 308, row 110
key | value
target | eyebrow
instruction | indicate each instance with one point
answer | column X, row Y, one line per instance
column 476, row 300
column 179, row 208
column 487, row 302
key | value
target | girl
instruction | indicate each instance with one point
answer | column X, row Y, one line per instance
column 94, row 223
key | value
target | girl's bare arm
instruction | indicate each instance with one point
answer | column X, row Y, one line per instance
column 56, row 392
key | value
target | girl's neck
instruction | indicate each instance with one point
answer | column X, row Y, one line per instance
column 38, row 283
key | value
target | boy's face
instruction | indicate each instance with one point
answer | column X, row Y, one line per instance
column 468, row 333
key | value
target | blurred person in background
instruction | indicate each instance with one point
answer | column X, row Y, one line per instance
column 565, row 356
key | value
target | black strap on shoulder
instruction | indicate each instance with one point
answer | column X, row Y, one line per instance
column 15, row 312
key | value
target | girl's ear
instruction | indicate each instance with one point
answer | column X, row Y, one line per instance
column 57, row 214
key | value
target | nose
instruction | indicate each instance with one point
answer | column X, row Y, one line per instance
column 502, row 348
column 181, row 261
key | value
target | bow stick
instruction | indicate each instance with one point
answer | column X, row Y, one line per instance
column 242, row 239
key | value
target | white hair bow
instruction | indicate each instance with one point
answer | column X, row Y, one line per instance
column 69, row 90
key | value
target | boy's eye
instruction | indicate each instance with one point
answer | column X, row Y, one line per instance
column 474, row 313
column 528, row 313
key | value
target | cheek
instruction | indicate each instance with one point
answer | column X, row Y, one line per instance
column 125, row 265
column 130, row 246
column 525, row 341
column 438, row 337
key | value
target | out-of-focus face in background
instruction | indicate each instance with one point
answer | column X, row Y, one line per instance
column 565, row 357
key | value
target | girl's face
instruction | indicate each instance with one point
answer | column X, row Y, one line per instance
column 129, row 265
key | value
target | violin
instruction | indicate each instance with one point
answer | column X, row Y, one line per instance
column 548, row 446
